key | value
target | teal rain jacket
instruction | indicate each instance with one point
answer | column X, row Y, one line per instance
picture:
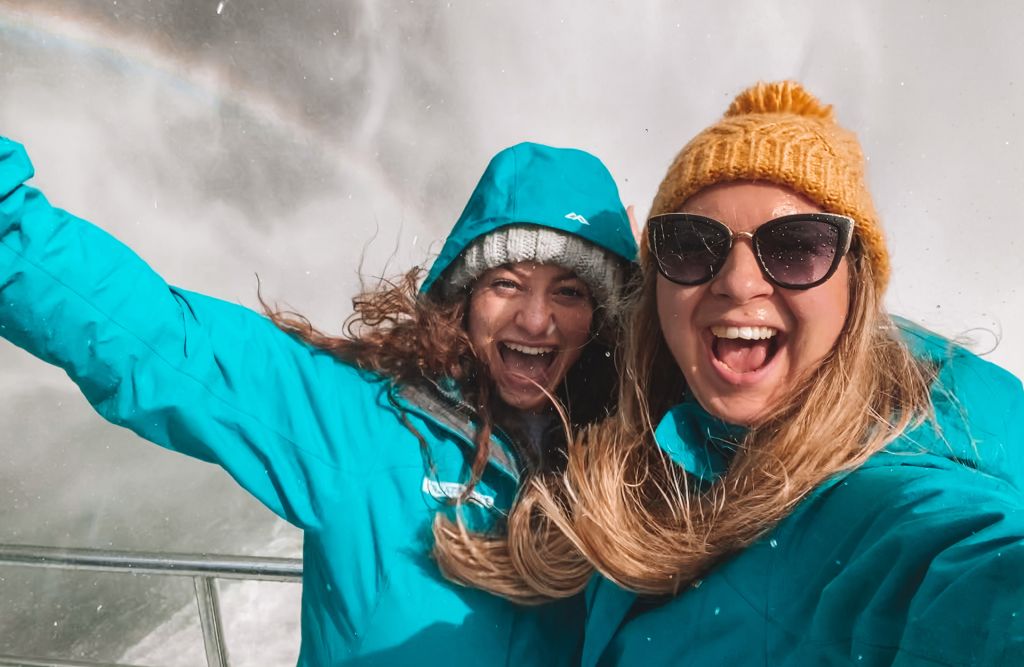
column 319, row 442
column 915, row 558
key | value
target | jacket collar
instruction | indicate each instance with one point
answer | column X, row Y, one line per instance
column 695, row 440
column 441, row 402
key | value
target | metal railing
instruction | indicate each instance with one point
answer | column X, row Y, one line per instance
column 203, row 568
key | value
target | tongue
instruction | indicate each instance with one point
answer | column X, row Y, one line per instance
column 530, row 365
column 742, row 356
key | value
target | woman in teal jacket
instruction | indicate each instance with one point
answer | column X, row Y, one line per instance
column 794, row 479
column 399, row 451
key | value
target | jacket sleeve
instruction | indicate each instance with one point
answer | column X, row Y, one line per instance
column 201, row 376
column 916, row 562
column 968, row 608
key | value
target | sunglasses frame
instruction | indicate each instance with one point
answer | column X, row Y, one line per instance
column 843, row 224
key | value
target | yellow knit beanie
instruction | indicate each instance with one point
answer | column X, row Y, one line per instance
column 778, row 132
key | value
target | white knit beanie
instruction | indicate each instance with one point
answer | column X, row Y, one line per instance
column 603, row 271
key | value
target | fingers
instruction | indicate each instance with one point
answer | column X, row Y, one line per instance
column 633, row 224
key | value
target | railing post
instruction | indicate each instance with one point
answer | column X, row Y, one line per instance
column 204, row 569
column 209, row 621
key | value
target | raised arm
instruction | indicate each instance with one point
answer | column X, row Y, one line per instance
column 201, row 376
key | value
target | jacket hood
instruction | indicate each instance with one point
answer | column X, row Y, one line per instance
column 978, row 409
column 560, row 188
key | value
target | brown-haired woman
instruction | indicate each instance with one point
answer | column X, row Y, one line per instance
column 406, row 440
column 792, row 477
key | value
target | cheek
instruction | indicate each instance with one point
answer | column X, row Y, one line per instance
column 480, row 320
column 821, row 314
column 575, row 325
column 675, row 315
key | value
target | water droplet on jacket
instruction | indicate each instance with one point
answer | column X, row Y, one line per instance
column 717, row 610
column 774, row 543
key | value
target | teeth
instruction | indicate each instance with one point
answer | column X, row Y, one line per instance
column 746, row 333
column 525, row 349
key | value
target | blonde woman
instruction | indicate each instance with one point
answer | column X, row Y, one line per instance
column 793, row 478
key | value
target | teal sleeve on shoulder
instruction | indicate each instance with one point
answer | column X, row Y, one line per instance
column 913, row 563
column 968, row 608
column 211, row 379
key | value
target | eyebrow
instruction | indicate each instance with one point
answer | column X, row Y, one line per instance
column 568, row 274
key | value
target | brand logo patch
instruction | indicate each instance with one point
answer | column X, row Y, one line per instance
column 452, row 490
column 577, row 217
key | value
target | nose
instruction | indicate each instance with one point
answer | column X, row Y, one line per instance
column 741, row 279
column 536, row 316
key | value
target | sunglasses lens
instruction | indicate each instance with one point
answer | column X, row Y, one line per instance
column 798, row 252
column 688, row 251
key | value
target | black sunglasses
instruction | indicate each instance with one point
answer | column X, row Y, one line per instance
column 797, row 251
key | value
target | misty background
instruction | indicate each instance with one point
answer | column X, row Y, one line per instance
column 235, row 139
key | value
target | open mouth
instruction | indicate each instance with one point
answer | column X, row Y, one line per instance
column 744, row 349
column 528, row 361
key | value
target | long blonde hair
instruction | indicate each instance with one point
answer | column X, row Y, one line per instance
column 641, row 521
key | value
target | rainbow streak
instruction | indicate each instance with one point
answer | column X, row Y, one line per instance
column 199, row 78
column 133, row 57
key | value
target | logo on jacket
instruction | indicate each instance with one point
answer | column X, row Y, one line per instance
column 452, row 490
column 577, row 217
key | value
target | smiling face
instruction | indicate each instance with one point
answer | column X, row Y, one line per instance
column 529, row 323
column 739, row 340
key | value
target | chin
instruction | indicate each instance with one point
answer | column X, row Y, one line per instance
column 524, row 402
column 733, row 410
